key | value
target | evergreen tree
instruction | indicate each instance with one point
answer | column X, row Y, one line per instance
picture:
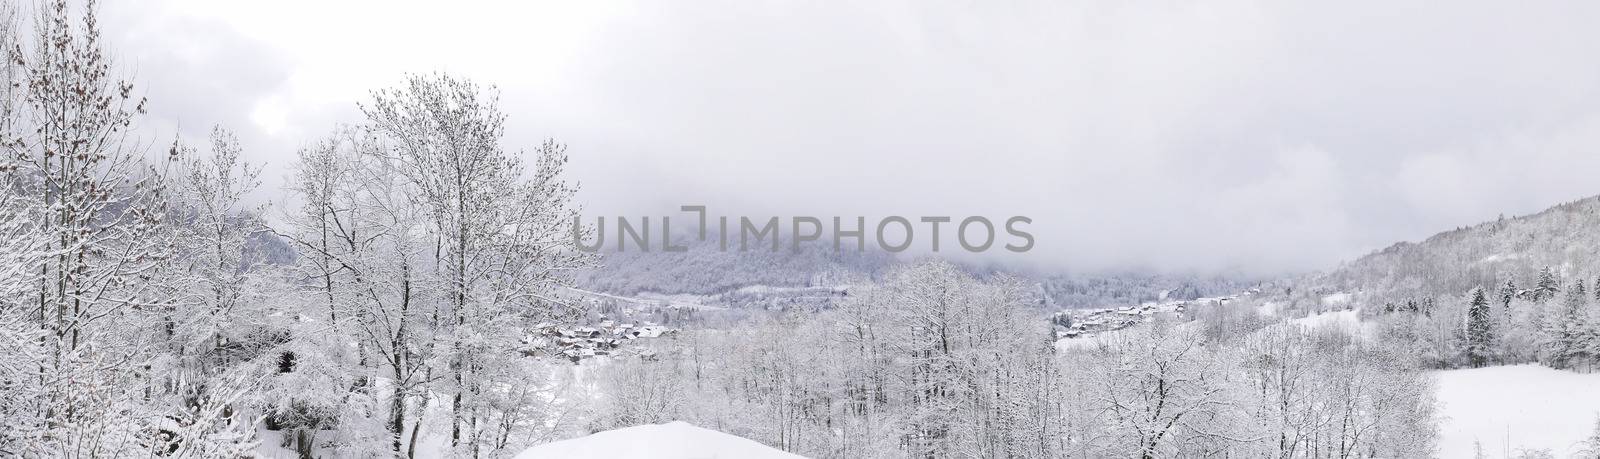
column 1480, row 329
column 1565, row 330
column 1508, row 292
column 1547, row 286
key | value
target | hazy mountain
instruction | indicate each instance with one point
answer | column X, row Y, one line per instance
column 1563, row 237
column 704, row 269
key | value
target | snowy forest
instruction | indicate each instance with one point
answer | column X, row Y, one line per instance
column 421, row 296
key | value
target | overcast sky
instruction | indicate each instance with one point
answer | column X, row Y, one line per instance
column 1217, row 135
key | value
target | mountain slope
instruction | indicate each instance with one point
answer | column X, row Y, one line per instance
column 1565, row 237
column 706, row 269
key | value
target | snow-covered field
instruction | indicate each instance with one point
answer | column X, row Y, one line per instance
column 1348, row 320
column 1534, row 407
column 673, row 440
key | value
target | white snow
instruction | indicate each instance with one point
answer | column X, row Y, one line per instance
column 1337, row 299
column 1349, row 320
column 1535, row 407
column 673, row 440
column 651, row 331
column 1499, row 257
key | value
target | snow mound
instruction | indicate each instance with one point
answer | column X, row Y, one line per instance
column 1533, row 406
column 673, row 440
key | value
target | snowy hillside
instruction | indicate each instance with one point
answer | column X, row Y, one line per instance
column 1347, row 320
column 1455, row 261
column 673, row 440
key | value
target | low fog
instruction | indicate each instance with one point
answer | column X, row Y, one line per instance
column 1235, row 136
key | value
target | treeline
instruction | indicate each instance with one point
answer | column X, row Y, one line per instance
column 1552, row 321
column 146, row 310
column 933, row 362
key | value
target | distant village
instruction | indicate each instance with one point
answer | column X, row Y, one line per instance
column 1086, row 323
column 616, row 324
column 609, row 337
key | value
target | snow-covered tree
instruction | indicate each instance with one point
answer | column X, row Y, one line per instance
column 1546, row 287
column 1480, row 332
column 1566, row 329
column 501, row 234
column 1163, row 394
column 212, row 322
column 103, row 232
column 22, row 255
column 1507, row 292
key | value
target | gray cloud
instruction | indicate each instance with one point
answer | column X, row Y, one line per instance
column 1258, row 136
